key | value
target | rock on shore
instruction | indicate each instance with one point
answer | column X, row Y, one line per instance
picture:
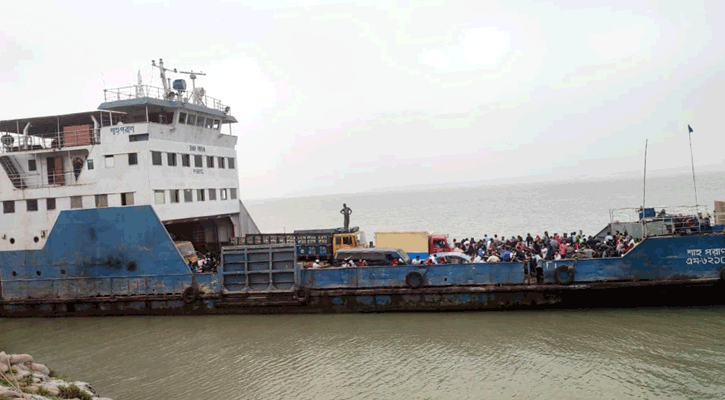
column 22, row 378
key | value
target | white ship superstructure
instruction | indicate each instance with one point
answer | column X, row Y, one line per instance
column 168, row 147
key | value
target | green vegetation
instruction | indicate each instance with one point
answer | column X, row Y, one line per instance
column 26, row 381
column 45, row 392
column 4, row 382
column 58, row 375
column 73, row 392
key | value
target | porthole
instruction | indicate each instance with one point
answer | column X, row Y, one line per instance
column 62, row 271
column 37, row 272
column 15, row 273
column 36, row 239
column 12, row 240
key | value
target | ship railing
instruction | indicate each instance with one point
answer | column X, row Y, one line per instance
column 666, row 220
column 68, row 138
column 197, row 97
column 47, row 178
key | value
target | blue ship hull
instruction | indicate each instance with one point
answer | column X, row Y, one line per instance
column 123, row 261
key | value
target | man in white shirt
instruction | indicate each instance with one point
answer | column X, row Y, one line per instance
column 417, row 260
column 316, row 264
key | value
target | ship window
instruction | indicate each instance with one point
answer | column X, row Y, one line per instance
column 185, row 160
column 212, row 194
column 199, row 194
column 50, row 204
column 188, row 196
column 101, row 200
column 174, row 195
column 110, row 161
column 233, row 193
column 76, row 202
column 197, row 161
column 231, row 162
column 209, row 123
column 221, row 162
column 138, row 138
column 159, row 197
column 156, row 157
column 209, row 161
column 8, row 207
column 182, row 118
column 32, row 166
column 90, row 164
column 217, row 124
column 191, row 120
column 132, row 158
column 200, row 121
column 32, row 205
column 223, row 194
column 171, row 159
column 127, row 199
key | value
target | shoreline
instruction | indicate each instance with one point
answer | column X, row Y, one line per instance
column 22, row 378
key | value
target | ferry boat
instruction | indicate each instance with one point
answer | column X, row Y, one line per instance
column 96, row 205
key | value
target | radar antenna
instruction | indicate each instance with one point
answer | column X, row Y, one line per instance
column 197, row 96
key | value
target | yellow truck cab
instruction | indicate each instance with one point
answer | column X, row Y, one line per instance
column 348, row 240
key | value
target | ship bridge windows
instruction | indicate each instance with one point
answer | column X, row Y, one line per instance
column 210, row 161
column 185, row 160
column 161, row 117
column 188, row 196
column 231, row 162
column 212, row 194
column 156, row 157
column 199, row 194
column 32, row 166
column 182, row 117
column 217, row 125
column 132, row 158
column 8, row 207
column 198, row 161
column 223, row 194
column 138, row 138
column 191, row 120
column 174, row 196
column 200, row 120
column 221, row 162
column 50, row 203
column 171, row 159
column 233, row 193
column 209, row 122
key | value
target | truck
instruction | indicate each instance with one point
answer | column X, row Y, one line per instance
column 415, row 244
column 310, row 244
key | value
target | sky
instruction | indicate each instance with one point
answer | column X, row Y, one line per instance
column 345, row 97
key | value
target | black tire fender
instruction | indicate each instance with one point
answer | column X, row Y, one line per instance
column 569, row 270
column 414, row 279
column 190, row 294
column 722, row 273
column 303, row 294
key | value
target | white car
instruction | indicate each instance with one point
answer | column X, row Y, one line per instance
column 452, row 257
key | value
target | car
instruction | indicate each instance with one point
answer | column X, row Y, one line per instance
column 452, row 257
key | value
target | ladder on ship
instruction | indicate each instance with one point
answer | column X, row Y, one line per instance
column 11, row 170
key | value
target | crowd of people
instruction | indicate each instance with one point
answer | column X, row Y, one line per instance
column 546, row 247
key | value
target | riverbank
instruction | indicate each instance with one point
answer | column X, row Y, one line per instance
column 22, row 378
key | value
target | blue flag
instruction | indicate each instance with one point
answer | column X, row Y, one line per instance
column 690, row 128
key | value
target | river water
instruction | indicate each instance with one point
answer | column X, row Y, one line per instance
column 558, row 354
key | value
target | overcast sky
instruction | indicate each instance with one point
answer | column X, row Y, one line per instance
column 336, row 97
